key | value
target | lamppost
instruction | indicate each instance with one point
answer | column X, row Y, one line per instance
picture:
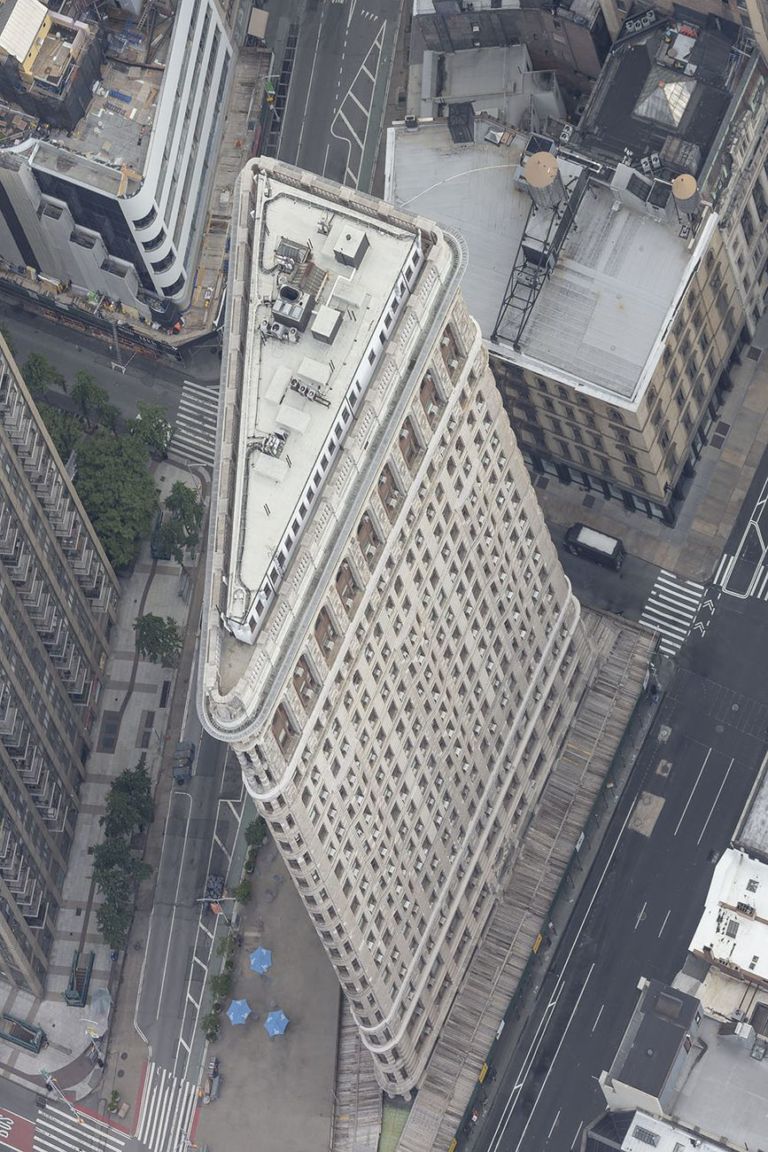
column 52, row 1086
column 93, row 1032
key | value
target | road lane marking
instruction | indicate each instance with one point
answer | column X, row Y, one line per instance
column 557, row 1053
column 509, row 1107
column 714, row 802
column 663, row 926
column 695, row 786
column 641, row 915
column 578, row 1133
column 315, row 57
column 597, row 1018
column 554, row 1124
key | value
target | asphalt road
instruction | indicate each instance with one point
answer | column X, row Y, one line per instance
column 172, row 961
column 338, row 93
column 645, row 893
column 147, row 380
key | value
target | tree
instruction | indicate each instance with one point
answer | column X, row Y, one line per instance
column 152, row 428
column 256, row 832
column 114, row 922
column 180, row 529
column 158, row 639
column 115, row 868
column 130, row 807
column 220, row 986
column 91, row 400
column 118, row 493
column 39, row 374
column 242, row 891
column 64, row 429
column 210, row 1026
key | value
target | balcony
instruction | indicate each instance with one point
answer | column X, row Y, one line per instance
column 304, row 683
column 389, row 494
column 368, row 539
column 430, row 400
column 348, row 589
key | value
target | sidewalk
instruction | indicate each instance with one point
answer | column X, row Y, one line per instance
column 136, row 710
column 693, row 546
column 276, row 1094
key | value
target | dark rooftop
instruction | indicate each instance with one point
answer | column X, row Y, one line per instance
column 654, row 1037
column 662, row 96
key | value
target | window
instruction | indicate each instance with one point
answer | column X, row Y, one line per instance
column 165, row 263
column 145, row 221
column 645, row 1135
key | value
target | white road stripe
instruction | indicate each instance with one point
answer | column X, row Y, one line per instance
column 671, row 609
column 167, row 1109
column 760, row 590
column 723, row 569
column 56, row 1130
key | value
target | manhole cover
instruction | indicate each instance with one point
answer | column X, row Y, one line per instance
column 123, row 1055
column 120, row 1072
column 734, row 707
column 719, row 728
column 664, row 733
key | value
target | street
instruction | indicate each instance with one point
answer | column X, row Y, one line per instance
column 338, row 92
column 645, row 893
column 200, row 829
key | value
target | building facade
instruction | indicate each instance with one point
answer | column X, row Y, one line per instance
column 390, row 643
column 112, row 199
column 58, row 598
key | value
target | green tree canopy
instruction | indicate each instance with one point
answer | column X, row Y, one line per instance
column 151, row 426
column 158, row 639
column 39, row 374
column 91, row 400
column 114, row 922
column 64, row 429
column 130, row 807
column 118, row 493
column 180, row 530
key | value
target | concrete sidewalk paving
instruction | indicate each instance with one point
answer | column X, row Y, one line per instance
column 133, row 718
column 277, row 1094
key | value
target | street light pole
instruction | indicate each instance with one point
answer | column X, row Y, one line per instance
column 52, row 1086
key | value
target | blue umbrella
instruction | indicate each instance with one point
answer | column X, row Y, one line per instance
column 261, row 960
column 276, row 1023
column 239, row 1011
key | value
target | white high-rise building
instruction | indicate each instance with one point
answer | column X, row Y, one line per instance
column 390, row 644
column 110, row 139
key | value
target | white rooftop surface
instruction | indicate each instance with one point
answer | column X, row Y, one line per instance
column 670, row 1138
column 597, row 321
column 269, row 488
column 22, row 26
column 730, row 935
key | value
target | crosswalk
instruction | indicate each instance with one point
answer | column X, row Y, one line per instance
column 194, row 434
column 167, row 1111
column 671, row 609
column 57, row 1130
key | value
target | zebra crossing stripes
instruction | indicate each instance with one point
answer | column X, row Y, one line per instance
column 57, row 1130
column 194, row 434
column 760, row 585
column 671, row 609
column 167, row 1110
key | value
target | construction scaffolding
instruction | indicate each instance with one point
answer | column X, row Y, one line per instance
column 531, row 884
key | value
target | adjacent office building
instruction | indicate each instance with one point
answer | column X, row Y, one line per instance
column 617, row 268
column 390, row 643
column 110, row 136
column 58, row 597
